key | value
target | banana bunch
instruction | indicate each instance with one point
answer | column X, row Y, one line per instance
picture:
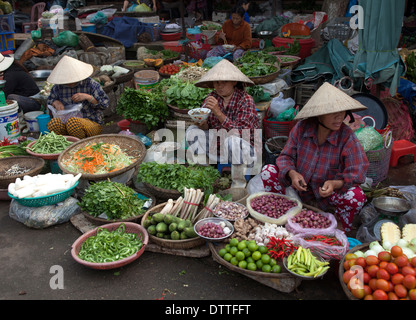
column 304, row 263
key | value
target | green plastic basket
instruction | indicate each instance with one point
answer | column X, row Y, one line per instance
column 46, row 200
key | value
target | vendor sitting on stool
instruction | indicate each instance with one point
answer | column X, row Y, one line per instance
column 323, row 160
column 73, row 85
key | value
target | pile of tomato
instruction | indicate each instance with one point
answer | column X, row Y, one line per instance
column 169, row 69
column 388, row 276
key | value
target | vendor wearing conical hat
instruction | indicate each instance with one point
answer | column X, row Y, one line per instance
column 232, row 108
column 73, row 85
column 323, row 160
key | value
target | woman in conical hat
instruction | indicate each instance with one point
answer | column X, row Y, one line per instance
column 232, row 110
column 323, row 160
column 73, row 85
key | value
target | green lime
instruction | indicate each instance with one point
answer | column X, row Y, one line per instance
column 265, row 258
column 246, row 252
column 240, row 256
column 263, row 249
column 233, row 242
column 234, row 261
column 276, row 268
column 227, row 247
column 252, row 246
column 233, row 250
column 222, row 252
column 241, row 245
column 228, row 256
column 256, row 255
column 266, row 268
column 243, row 264
column 259, row 264
column 251, row 266
column 249, row 259
column 272, row 262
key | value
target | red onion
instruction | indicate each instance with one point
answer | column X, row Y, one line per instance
column 311, row 219
column 271, row 205
column 211, row 230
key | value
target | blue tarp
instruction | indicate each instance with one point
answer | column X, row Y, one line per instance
column 124, row 29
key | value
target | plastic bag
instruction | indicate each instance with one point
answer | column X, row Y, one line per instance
column 99, row 18
column 369, row 138
column 287, row 115
column 324, row 250
column 66, row 38
column 279, row 105
column 71, row 111
column 211, row 61
column 297, row 229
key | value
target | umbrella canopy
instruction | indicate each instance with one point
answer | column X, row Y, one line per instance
column 377, row 59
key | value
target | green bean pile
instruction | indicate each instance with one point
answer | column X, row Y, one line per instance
column 109, row 246
column 50, row 143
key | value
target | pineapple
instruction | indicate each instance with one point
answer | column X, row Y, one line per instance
column 409, row 232
column 390, row 232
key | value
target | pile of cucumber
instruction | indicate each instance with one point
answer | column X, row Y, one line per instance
column 166, row 226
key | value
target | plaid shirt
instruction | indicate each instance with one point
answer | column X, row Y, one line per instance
column 240, row 113
column 340, row 157
column 64, row 94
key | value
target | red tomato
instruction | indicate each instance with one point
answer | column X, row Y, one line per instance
column 372, row 270
column 412, row 294
column 397, row 278
column 392, row 268
column 392, row 296
column 413, row 262
column 346, row 265
column 369, row 297
column 371, row 260
column 373, row 284
column 401, row 260
column 359, row 293
column 367, row 290
column 409, row 281
column 396, row 251
column 383, row 264
column 382, row 284
column 408, row 270
column 380, row 295
column 361, row 262
column 346, row 277
column 383, row 274
column 400, row 290
column 384, row 256
column 366, row 277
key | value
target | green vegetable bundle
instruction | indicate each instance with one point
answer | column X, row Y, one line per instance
column 177, row 176
column 115, row 200
column 12, row 150
column 141, row 105
column 50, row 143
column 256, row 64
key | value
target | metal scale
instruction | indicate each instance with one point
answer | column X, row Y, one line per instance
column 3, row 102
column 266, row 39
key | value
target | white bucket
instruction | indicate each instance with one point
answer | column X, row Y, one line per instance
column 9, row 121
column 31, row 120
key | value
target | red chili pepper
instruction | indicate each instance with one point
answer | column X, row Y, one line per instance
column 279, row 248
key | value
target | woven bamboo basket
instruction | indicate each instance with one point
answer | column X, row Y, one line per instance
column 162, row 194
column 101, row 221
column 267, row 78
column 171, row 244
column 35, row 165
column 178, row 110
column 129, row 145
column 124, row 77
column 52, row 156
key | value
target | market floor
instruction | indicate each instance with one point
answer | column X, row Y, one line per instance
column 31, row 260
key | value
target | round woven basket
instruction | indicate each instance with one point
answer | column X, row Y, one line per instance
column 266, row 78
column 131, row 227
column 125, row 77
column 101, row 221
column 239, row 195
column 178, row 110
column 129, row 145
column 171, row 244
column 52, row 156
column 33, row 163
column 162, row 194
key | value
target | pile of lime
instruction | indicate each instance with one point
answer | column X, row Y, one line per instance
column 247, row 254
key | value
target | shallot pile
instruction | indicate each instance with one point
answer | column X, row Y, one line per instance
column 213, row 230
column 311, row 219
column 272, row 205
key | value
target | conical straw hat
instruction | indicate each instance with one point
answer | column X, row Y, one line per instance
column 328, row 99
column 70, row 70
column 223, row 71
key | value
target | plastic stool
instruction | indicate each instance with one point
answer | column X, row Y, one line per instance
column 222, row 166
column 401, row 148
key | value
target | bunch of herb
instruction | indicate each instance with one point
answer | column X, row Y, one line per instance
column 185, row 95
column 141, row 105
column 177, row 176
column 257, row 70
column 115, row 200
column 257, row 57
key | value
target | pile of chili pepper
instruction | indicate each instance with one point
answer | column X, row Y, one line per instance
column 280, row 247
column 329, row 240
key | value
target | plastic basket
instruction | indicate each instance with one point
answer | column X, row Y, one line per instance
column 7, row 41
column 276, row 128
column 339, row 28
column 7, row 22
column 46, row 200
column 202, row 51
column 380, row 159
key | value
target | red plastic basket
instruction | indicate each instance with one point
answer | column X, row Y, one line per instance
column 201, row 52
column 276, row 128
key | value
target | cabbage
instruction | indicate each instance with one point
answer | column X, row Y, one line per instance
column 142, row 8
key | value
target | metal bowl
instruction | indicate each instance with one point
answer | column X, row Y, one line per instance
column 304, row 277
column 265, row 33
column 391, row 206
column 201, row 222
column 40, row 74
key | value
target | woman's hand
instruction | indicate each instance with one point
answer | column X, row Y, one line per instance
column 329, row 187
column 79, row 97
column 298, row 182
column 58, row 105
column 221, row 35
column 212, row 104
column 203, row 125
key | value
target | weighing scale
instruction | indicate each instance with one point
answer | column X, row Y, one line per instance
column 266, row 39
column 3, row 102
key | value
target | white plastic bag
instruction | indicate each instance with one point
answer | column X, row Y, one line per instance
column 279, row 105
column 71, row 111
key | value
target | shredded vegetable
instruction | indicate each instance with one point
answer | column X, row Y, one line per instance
column 109, row 246
column 98, row 158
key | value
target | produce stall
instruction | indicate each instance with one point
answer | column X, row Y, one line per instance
column 125, row 203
